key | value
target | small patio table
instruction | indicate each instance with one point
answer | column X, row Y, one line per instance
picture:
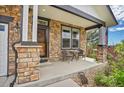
column 71, row 53
column 75, row 54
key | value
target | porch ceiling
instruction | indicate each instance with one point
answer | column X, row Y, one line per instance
column 64, row 16
column 102, row 12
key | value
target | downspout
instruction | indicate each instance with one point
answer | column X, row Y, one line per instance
column 16, row 57
column 16, row 53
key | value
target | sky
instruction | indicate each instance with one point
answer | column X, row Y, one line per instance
column 116, row 33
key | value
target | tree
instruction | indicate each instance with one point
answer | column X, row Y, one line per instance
column 119, row 48
column 92, row 42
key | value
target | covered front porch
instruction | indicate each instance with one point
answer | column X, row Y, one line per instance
column 52, row 72
column 43, row 32
column 49, row 38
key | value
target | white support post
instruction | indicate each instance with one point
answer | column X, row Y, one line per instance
column 34, row 27
column 25, row 23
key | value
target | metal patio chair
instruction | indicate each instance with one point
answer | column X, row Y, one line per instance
column 81, row 53
column 66, row 55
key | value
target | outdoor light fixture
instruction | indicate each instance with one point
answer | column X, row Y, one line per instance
column 43, row 10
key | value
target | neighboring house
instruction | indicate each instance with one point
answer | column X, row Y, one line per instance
column 28, row 33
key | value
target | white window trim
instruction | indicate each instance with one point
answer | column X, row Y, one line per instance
column 76, row 39
column 69, row 29
column 71, row 38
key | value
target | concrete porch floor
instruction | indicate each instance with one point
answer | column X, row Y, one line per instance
column 5, row 81
column 57, row 71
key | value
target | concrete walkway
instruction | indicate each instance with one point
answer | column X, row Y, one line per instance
column 64, row 83
column 58, row 71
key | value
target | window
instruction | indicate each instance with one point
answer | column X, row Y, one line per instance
column 75, row 38
column 42, row 22
column 66, row 37
column 2, row 28
column 70, row 38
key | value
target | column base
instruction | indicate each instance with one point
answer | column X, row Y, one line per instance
column 27, row 62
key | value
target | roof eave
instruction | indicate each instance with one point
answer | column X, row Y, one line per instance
column 108, row 7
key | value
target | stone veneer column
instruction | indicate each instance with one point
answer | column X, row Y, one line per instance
column 101, row 53
column 55, row 40
column 28, row 61
column 83, row 39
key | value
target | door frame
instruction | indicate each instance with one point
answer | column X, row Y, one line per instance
column 46, row 28
column 7, row 49
column 6, row 20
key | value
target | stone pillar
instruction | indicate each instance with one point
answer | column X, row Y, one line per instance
column 27, row 63
column 101, row 53
column 102, row 47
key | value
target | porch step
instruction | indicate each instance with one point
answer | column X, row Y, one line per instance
column 43, row 60
column 44, row 83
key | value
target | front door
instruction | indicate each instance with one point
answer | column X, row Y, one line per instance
column 3, row 49
column 43, row 41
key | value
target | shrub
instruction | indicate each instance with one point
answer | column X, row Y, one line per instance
column 114, row 79
column 114, row 74
column 119, row 78
column 102, row 80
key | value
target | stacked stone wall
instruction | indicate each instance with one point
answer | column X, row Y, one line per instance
column 28, row 62
column 13, row 36
column 55, row 39
column 101, row 53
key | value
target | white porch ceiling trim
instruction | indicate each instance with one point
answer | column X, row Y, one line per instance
column 63, row 16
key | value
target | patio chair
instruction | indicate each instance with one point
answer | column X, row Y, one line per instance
column 81, row 53
column 66, row 55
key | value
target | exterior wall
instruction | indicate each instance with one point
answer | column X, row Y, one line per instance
column 13, row 11
column 55, row 38
column 14, row 36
